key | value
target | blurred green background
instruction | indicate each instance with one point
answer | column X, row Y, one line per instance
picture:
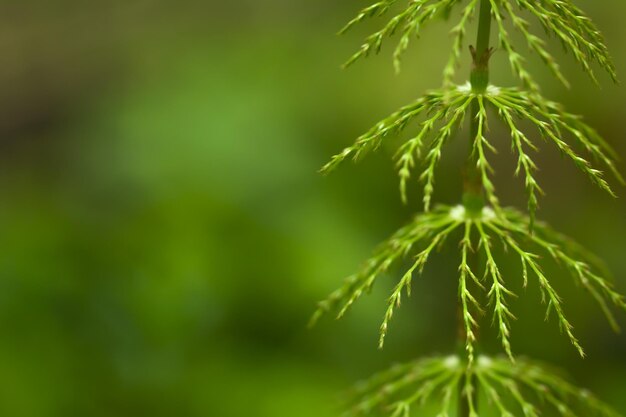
column 165, row 235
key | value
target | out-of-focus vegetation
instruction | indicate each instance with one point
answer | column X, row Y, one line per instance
column 165, row 234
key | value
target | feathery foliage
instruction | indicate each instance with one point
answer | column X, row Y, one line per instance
column 514, row 389
column 561, row 18
column 485, row 232
column 439, row 113
column 480, row 233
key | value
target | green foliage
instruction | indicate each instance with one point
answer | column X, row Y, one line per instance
column 430, row 227
column 408, row 23
column 427, row 232
column 487, row 231
column 574, row 29
column 518, row 388
column 561, row 18
column 555, row 126
column 441, row 112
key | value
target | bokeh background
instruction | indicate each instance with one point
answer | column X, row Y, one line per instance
column 164, row 233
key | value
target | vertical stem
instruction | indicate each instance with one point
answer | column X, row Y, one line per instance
column 480, row 72
column 479, row 79
column 472, row 189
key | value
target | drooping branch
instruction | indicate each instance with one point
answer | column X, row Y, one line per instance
column 422, row 237
column 441, row 112
column 514, row 389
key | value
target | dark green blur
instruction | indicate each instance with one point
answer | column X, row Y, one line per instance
column 164, row 233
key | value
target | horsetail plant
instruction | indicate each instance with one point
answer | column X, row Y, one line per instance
column 512, row 386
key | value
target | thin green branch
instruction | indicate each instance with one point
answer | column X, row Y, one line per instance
column 568, row 253
column 575, row 31
column 516, row 61
column 428, row 231
column 468, row 301
column 535, row 43
column 497, row 292
column 405, row 282
column 514, row 389
column 458, row 32
column 420, row 233
column 408, row 22
column 480, row 144
column 550, row 296
column 445, row 110
column 434, row 154
column 552, row 122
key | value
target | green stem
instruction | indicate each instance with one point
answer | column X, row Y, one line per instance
column 473, row 199
column 480, row 71
column 479, row 79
